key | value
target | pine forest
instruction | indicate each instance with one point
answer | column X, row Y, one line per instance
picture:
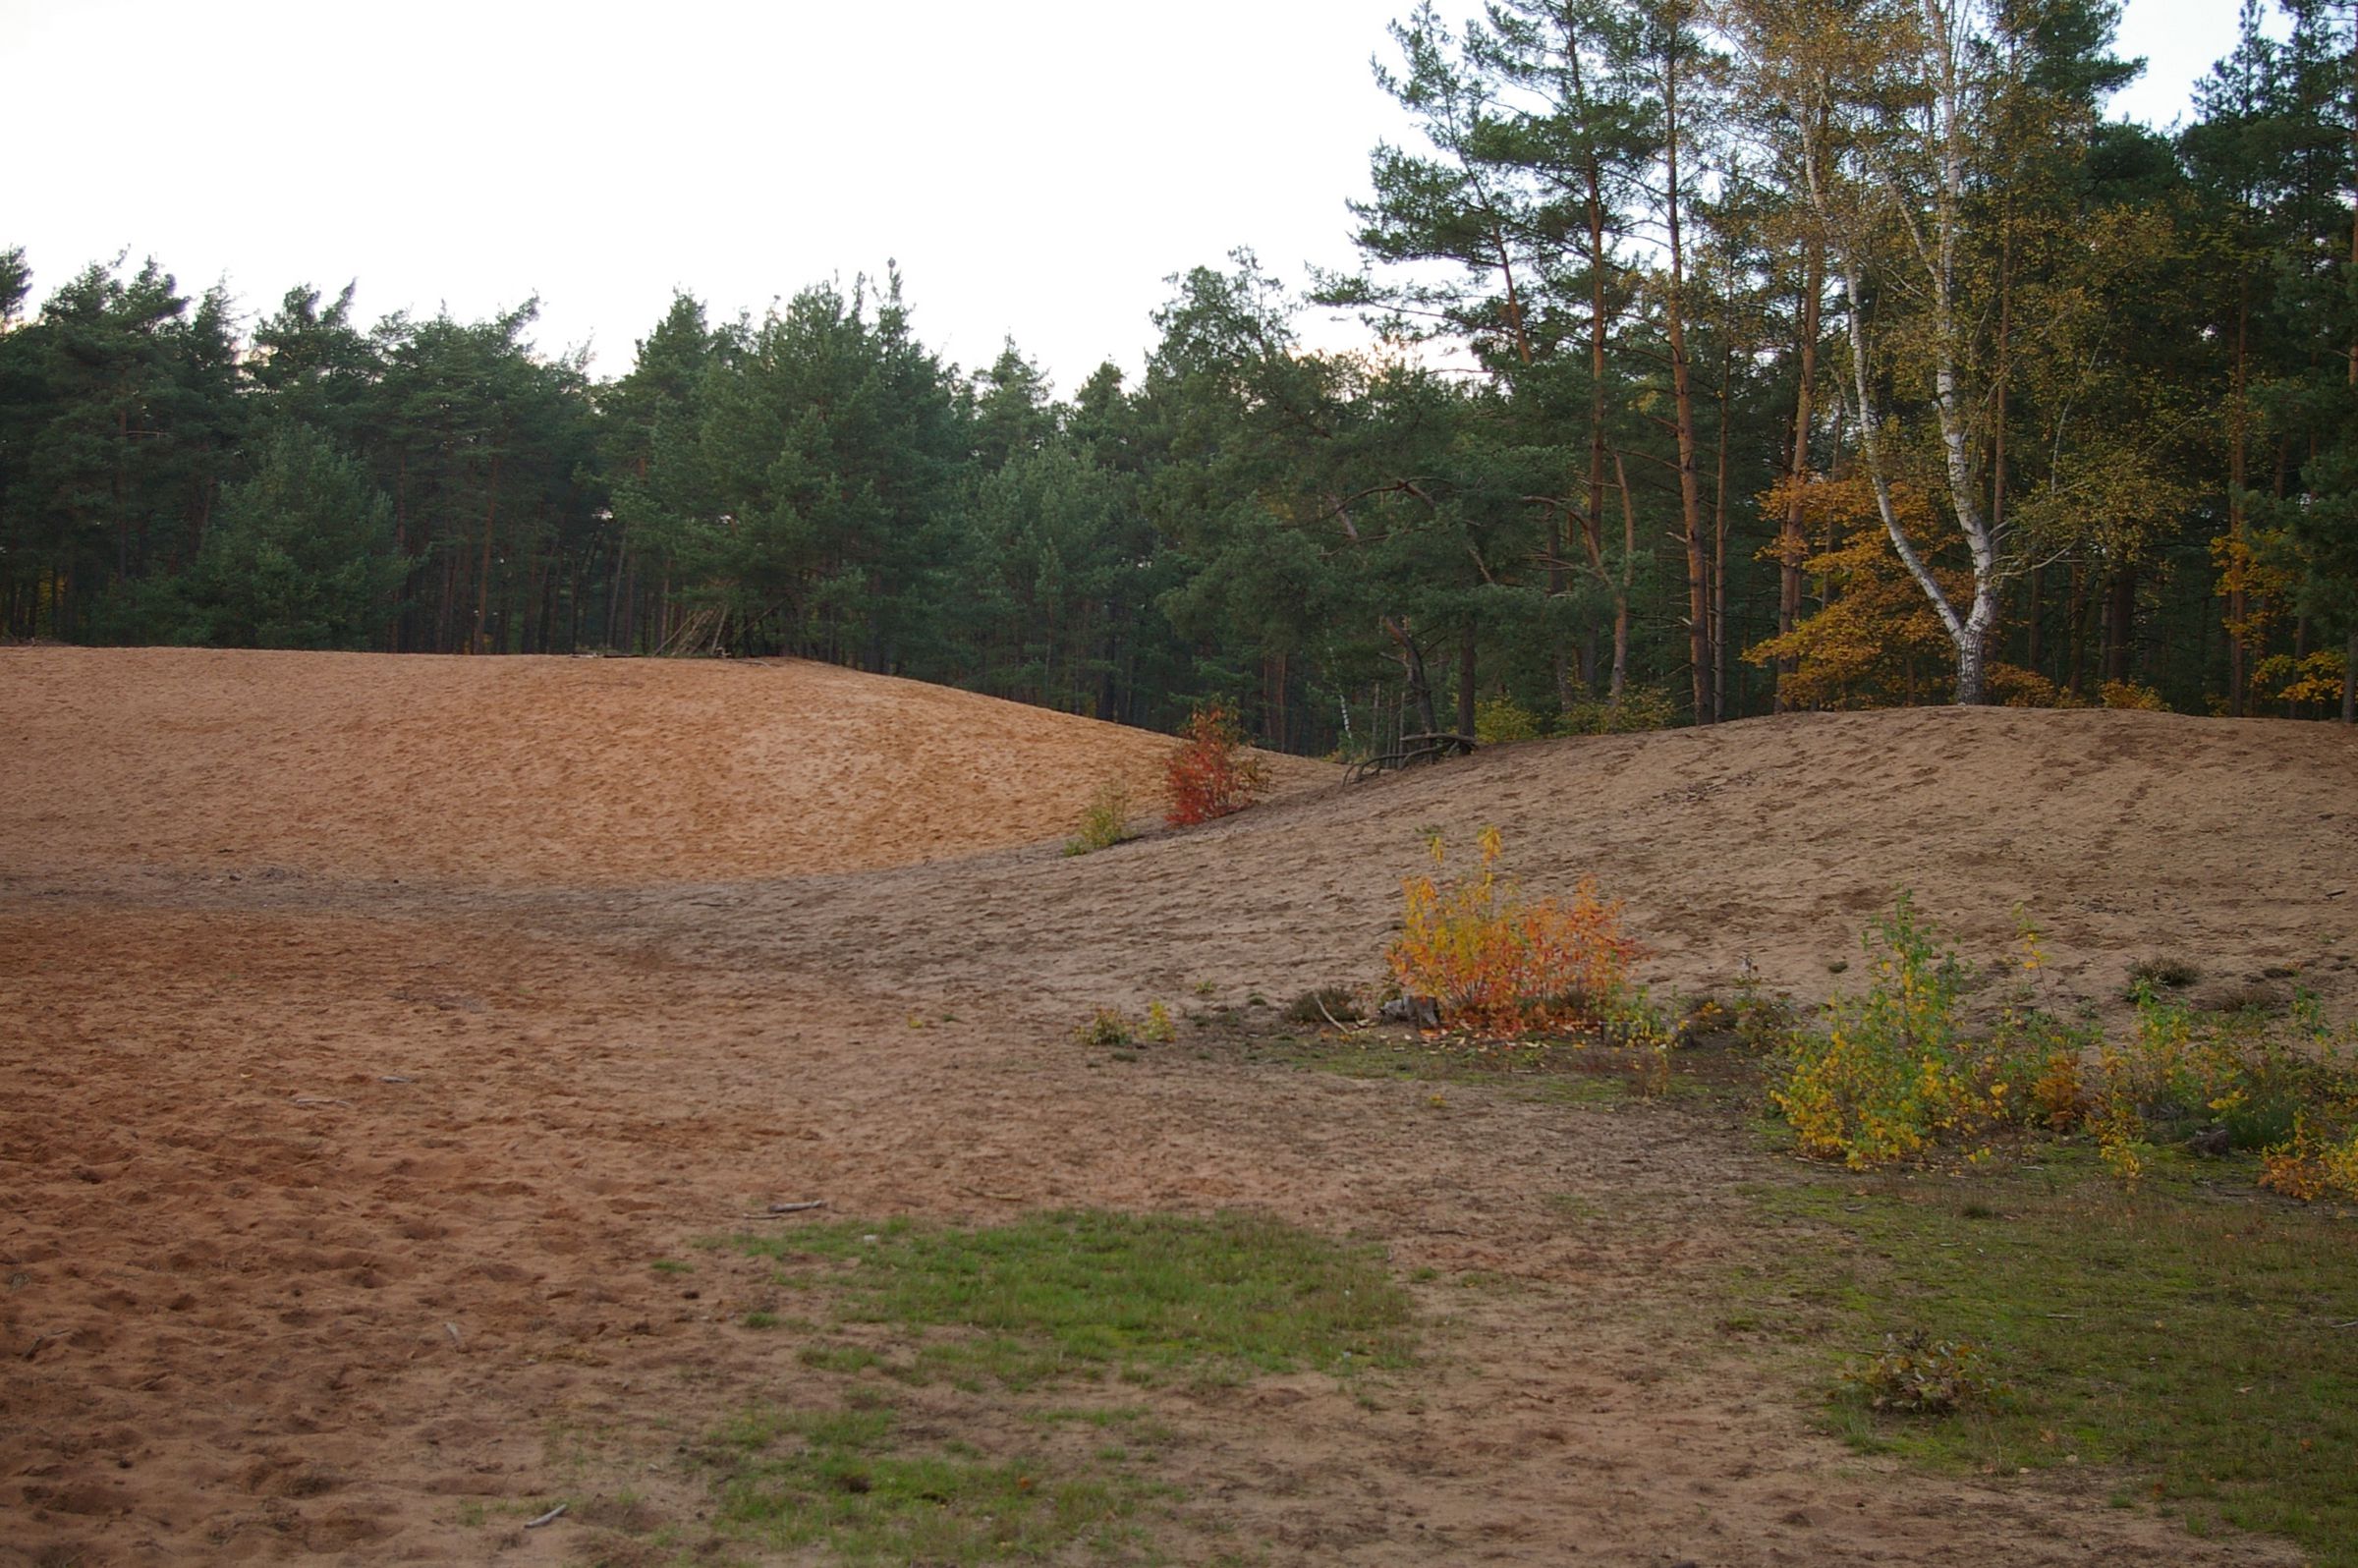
column 1737, row 356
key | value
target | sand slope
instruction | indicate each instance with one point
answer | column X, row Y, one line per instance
column 528, row 769
column 2233, row 846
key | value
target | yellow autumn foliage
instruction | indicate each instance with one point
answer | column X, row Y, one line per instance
column 1878, row 642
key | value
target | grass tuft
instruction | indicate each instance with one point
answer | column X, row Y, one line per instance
column 2162, row 970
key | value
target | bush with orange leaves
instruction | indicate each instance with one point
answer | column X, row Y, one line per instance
column 1213, row 772
column 1498, row 963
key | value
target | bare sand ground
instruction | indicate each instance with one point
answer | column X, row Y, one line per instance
column 328, row 1199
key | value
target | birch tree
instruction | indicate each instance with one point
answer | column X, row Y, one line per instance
column 1881, row 101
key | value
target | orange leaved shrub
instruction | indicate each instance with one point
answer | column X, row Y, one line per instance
column 1498, row 963
column 1213, row 772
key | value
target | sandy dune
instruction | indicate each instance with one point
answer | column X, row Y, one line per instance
column 529, row 771
column 328, row 1198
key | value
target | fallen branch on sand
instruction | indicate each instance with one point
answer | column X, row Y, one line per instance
column 1330, row 1018
column 536, row 1524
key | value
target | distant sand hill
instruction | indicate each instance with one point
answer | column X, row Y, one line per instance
column 503, row 770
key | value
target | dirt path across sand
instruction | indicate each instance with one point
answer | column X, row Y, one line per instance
column 330, row 1201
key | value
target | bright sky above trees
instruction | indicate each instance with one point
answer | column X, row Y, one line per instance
column 1038, row 167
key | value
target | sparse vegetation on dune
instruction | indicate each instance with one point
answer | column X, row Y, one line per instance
column 1897, row 1071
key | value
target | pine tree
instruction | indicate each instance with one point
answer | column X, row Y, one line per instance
column 301, row 555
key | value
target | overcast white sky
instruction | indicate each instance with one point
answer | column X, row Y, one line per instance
column 1036, row 167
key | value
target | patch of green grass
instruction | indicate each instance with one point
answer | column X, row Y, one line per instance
column 1487, row 1280
column 849, row 1360
column 1130, row 1418
column 1553, row 1072
column 848, row 1480
column 1105, row 821
column 1133, row 1296
column 671, row 1265
column 1083, row 1298
column 2193, row 1335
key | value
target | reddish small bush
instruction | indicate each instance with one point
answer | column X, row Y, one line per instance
column 1213, row 772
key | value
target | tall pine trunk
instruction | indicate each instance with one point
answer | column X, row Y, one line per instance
column 1791, row 548
column 1617, row 583
column 1466, row 690
column 2239, row 537
column 482, row 575
column 1629, row 567
column 1682, row 392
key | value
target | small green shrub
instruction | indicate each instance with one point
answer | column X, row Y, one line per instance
column 1764, row 1020
column 1893, row 1073
column 1498, row 720
column 2174, row 973
column 1108, row 1028
column 1887, row 1074
column 1104, row 821
column 1158, row 1029
column 1920, row 1375
column 1642, row 707
column 2128, row 694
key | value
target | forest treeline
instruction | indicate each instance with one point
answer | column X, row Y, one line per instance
column 1740, row 356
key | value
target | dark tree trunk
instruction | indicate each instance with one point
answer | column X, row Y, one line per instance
column 2236, row 598
column 1682, row 395
column 482, row 578
column 2031, row 620
column 1412, row 667
column 1791, row 547
column 2120, row 624
column 1465, row 682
